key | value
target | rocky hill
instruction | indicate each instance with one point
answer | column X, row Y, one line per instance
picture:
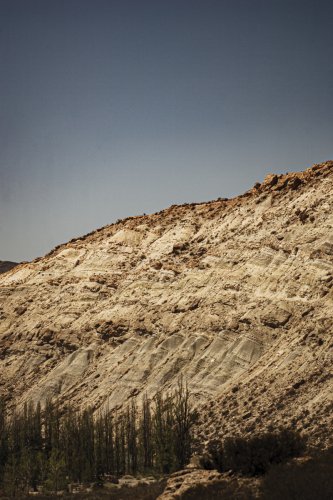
column 236, row 295
column 6, row 265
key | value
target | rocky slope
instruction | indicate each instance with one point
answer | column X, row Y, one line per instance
column 237, row 295
column 6, row 265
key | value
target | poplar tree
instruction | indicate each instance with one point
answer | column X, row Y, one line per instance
column 163, row 433
column 146, row 438
column 184, row 418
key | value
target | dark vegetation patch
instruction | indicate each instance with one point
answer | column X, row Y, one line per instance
column 256, row 454
column 52, row 449
column 83, row 455
column 305, row 480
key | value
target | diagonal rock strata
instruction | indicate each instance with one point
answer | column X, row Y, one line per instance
column 230, row 293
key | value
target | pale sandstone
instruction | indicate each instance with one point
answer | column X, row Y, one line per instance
column 235, row 295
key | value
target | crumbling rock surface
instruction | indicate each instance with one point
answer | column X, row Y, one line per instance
column 236, row 295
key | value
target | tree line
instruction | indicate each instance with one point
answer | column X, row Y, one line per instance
column 52, row 447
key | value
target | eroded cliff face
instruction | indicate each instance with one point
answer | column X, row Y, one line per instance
column 236, row 295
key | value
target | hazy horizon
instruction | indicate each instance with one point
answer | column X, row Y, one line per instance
column 112, row 108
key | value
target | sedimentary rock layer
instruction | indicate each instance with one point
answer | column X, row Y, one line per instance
column 235, row 295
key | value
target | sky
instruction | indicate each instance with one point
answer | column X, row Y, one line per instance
column 112, row 108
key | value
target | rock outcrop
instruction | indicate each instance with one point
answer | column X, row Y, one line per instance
column 237, row 295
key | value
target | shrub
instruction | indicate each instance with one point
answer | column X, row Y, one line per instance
column 306, row 480
column 215, row 458
column 254, row 455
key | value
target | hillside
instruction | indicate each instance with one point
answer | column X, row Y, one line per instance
column 237, row 295
column 6, row 265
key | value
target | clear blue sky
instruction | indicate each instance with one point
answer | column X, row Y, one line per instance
column 110, row 108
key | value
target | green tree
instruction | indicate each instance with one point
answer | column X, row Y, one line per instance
column 163, row 420
column 184, row 418
column 146, row 438
column 56, row 476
